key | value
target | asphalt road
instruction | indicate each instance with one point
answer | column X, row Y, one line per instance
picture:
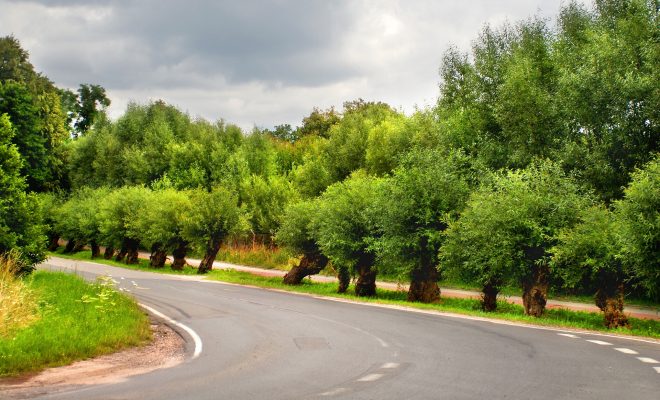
column 259, row 344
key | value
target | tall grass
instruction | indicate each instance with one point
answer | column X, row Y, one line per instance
column 77, row 320
column 255, row 255
column 18, row 306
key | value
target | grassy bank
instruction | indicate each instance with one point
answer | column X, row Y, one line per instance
column 74, row 320
column 506, row 311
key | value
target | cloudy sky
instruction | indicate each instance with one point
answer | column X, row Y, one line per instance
column 254, row 62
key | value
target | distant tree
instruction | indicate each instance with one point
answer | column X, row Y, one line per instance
column 318, row 123
column 638, row 214
column 92, row 101
column 346, row 228
column 412, row 208
column 507, row 229
column 588, row 253
column 298, row 233
column 213, row 217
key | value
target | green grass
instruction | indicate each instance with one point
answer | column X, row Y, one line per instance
column 255, row 256
column 506, row 311
column 76, row 320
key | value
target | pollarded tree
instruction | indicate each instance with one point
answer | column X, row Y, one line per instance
column 298, row 233
column 49, row 203
column 508, row 228
column 117, row 213
column 160, row 226
column 639, row 219
column 412, row 207
column 588, row 253
column 20, row 228
column 266, row 199
column 345, row 228
column 78, row 221
column 212, row 217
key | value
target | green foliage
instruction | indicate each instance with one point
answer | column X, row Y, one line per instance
column 20, row 227
column 344, row 220
column 117, row 213
column 161, row 218
column 266, row 199
column 428, row 187
column 639, row 218
column 297, row 231
column 511, row 224
column 588, row 252
column 78, row 219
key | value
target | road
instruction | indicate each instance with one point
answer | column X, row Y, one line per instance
column 260, row 344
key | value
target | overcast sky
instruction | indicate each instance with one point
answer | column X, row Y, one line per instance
column 249, row 62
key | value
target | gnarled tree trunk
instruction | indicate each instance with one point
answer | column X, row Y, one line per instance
column 212, row 248
column 610, row 300
column 179, row 256
column 78, row 247
column 344, row 277
column 158, row 256
column 53, row 242
column 424, row 284
column 70, row 244
column 366, row 282
column 123, row 250
column 535, row 290
column 96, row 250
column 489, row 296
column 109, row 252
column 310, row 264
column 133, row 246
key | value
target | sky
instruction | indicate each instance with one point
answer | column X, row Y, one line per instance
column 254, row 63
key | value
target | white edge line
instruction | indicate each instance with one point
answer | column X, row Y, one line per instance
column 196, row 339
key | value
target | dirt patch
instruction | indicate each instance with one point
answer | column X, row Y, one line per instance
column 166, row 350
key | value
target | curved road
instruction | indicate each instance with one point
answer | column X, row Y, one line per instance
column 260, row 344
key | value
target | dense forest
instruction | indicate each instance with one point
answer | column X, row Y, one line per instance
column 537, row 167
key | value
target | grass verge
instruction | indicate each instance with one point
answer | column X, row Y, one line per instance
column 76, row 320
column 506, row 311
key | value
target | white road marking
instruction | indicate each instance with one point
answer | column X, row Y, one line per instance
column 390, row 365
column 568, row 335
column 600, row 342
column 334, row 392
column 196, row 339
column 657, row 369
column 625, row 351
column 370, row 378
column 648, row 360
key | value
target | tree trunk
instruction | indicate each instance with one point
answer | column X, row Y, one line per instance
column 53, row 242
column 123, row 250
column 535, row 290
column 366, row 283
column 96, row 250
column 179, row 256
column 344, row 277
column 310, row 264
column 158, row 256
column 610, row 301
column 109, row 252
column 212, row 248
column 78, row 247
column 70, row 244
column 424, row 278
column 132, row 246
column 489, row 296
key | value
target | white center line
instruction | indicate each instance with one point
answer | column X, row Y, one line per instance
column 600, row 342
column 568, row 335
column 390, row 365
column 334, row 392
column 648, row 360
column 657, row 369
column 625, row 351
column 370, row 378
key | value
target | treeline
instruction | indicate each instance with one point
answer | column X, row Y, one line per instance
column 537, row 167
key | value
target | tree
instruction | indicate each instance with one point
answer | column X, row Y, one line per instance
column 20, row 228
column 213, row 216
column 345, row 228
column 159, row 226
column 117, row 213
column 638, row 214
column 91, row 102
column 588, row 253
column 78, row 220
column 49, row 204
column 265, row 199
column 297, row 233
column 412, row 207
column 507, row 229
